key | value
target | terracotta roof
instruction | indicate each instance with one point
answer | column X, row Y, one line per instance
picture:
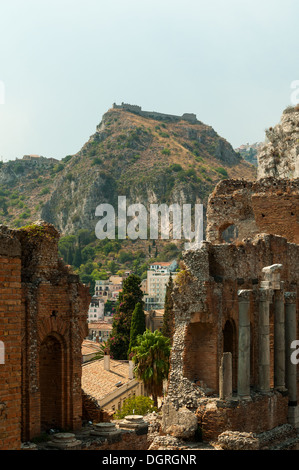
column 89, row 347
column 98, row 382
column 100, row 326
column 164, row 263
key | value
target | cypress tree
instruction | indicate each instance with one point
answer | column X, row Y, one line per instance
column 120, row 336
column 77, row 258
column 137, row 326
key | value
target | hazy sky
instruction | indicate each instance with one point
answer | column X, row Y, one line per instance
column 64, row 63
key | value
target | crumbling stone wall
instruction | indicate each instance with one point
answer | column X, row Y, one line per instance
column 216, row 416
column 267, row 206
column 279, row 157
column 48, row 320
column 190, row 117
column 207, row 324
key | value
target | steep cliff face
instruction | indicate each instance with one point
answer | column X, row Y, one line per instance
column 279, row 157
column 145, row 159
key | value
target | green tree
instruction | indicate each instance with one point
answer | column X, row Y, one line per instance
column 120, row 336
column 151, row 357
column 138, row 405
column 168, row 317
column 112, row 266
column 77, row 258
column 137, row 326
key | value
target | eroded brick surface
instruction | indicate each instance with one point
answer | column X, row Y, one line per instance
column 43, row 321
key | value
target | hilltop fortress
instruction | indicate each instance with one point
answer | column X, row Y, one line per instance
column 154, row 115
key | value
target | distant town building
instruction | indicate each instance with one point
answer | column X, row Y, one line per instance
column 156, row 284
column 99, row 331
column 108, row 289
column 154, row 320
column 96, row 310
column 164, row 267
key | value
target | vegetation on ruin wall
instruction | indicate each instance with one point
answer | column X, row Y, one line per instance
column 136, row 405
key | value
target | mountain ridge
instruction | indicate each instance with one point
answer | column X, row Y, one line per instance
column 143, row 158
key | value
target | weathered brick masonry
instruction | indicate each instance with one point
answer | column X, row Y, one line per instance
column 269, row 205
column 10, row 335
column 43, row 321
column 263, row 217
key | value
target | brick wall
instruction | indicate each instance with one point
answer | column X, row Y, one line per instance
column 266, row 206
column 10, row 335
column 43, row 321
column 260, row 414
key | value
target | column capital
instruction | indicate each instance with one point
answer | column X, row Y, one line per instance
column 244, row 295
column 265, row 295
column 275, row 268
column 279, row 295
column 290, row 297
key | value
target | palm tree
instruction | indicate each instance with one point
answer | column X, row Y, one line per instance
column 151, row 357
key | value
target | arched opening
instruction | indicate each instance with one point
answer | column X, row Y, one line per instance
column 229, row 345
column 51, row 368
column 229, row 233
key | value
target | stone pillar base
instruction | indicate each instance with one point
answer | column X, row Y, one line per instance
column 293, row 416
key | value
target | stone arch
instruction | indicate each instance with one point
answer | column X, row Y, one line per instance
column 230, row 345
column 52, row 371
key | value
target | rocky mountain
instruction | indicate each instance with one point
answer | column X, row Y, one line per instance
column 147, row 157
column 280, row 154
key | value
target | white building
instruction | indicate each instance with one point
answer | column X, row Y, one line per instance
column 96, row 310
column 156, row 284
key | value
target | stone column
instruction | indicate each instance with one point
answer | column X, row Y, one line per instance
column 131, row 370
column 264, row 340
column 244, row 344
column 279, row 341
column 290, row 336
column 291, row 368
column 225, row 377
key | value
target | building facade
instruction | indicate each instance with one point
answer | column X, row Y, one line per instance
column 156, row 283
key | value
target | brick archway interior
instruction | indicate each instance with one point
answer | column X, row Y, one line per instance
column 51, row 365
column 229, row 345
